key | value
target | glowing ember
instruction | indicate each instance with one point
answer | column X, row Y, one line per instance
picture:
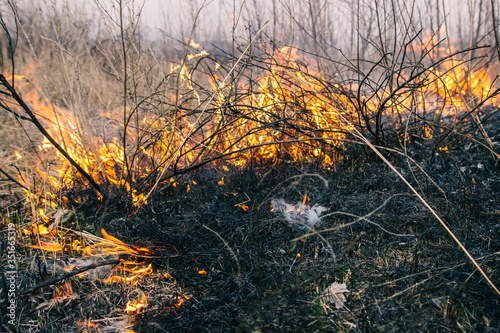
column 88, row 325
column 119, row 279
column 305, row 199
column 179, row 300
column 243, row 206
column 202, row 272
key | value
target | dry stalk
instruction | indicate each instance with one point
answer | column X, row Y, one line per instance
column 358, row 134
column 229, row 248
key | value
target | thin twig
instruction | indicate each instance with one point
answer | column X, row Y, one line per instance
column 12, row 179
column 359, row 219
column 358, row 134
column 497, row 43
column 230, row 250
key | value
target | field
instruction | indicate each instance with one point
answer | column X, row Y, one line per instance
column 301, row 166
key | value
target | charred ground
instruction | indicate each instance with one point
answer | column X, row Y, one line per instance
column 259, row 279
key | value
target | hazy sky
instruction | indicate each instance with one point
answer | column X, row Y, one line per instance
column 216, row 17
column 172, row 16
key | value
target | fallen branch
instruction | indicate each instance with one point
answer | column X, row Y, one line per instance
column 68, row 275
column 12, row 179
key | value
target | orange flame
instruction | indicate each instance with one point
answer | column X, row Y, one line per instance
column 287, row 91
column 133, row 306
column 179, row 300
column 194, row 44
column 36, row 229
column 131, row 270
column 48, row 246
column 105, row 235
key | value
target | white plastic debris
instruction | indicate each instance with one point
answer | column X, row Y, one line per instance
column 334, row 294
column 299, row 215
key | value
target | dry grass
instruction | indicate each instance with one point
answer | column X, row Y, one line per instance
column 188, row 148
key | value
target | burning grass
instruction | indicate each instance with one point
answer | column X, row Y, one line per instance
column 294, row 115
column 194, row 152
column 255, row 271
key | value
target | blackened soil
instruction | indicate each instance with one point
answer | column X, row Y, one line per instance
column 403, row 271
column 246, row 269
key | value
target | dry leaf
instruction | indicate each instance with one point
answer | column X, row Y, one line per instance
column 335, row 294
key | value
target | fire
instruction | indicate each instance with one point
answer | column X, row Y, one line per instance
column 42, row 214
column 108, row 162
column 243, row 206
column 36, row 229
column 194, row 44
column 289, row 98
column 133, row 306
column 292, row 114
column 129, row 271
column 148, row 270
column 89, row 325
column 48, row 246
column 105, row 235
column 201, row 54
column 179, row 300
